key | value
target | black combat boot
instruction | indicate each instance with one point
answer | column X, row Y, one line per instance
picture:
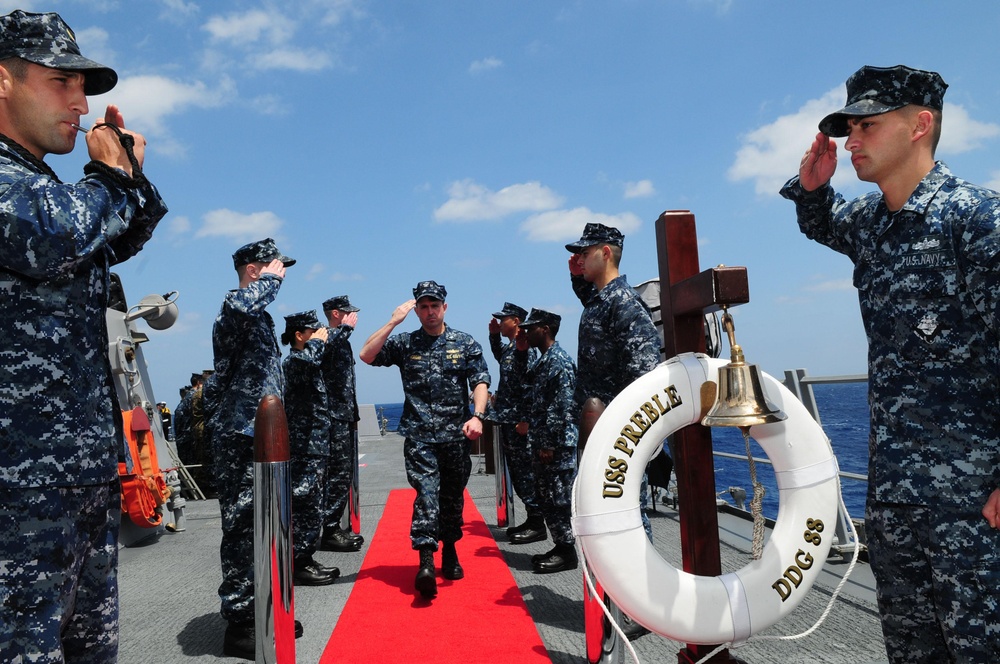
column 539, row 557
column 308, row 572
column 426, row 583
column 450, row 567
column 240, row 639
column 337, row 539
column 533, row 531
column 563, row 558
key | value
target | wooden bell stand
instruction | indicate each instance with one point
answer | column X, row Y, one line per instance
column 686, row 295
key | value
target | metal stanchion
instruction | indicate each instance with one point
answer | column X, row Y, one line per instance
column 272, row 548
column 351, row 519
column 505, row 509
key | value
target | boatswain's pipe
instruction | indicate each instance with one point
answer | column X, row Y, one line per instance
column 272, row 548
column 351, row 519
column 505, row 510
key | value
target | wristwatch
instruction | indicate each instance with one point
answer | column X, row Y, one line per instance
column 481, row 416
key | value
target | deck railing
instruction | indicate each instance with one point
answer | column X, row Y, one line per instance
column 800, row 384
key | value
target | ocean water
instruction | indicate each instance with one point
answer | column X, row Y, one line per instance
column 843, row 409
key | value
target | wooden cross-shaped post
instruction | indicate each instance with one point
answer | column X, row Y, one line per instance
column 685, row 296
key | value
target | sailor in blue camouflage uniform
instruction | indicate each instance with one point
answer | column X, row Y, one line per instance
column 308, row 419
column 247, row 368
column 182, row 423
column 184, row 433
column 618, row 342
column 60, row 422
column 926, row 254
column 439, row 367
column 342, row 402
column 552, row 433
column 509, row 409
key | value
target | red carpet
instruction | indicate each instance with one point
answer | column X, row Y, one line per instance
column 481, row 618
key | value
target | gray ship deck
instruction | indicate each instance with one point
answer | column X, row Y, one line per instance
column 169, row 605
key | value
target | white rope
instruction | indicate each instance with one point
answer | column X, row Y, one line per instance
column 604, row 608
column 756, row 503
column 829, row 605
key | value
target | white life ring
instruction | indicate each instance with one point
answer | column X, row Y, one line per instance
column 682, row 606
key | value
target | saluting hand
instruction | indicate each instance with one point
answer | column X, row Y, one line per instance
column 992, row 509
column 521, row 339
column 400, row 312
column 275, row 267
column 819, row 163
column 576, row 264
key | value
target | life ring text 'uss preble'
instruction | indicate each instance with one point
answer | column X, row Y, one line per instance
column 685, row 607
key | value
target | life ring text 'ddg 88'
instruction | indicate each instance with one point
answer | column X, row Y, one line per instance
column 682, row 606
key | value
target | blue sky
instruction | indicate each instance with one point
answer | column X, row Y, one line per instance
column 382, row 142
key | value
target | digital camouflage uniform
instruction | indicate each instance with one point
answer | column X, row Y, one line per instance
column 309, row 442
column 60, row 421
column 342, row 402
column 928, row 280
column 182, row 427
column 552, row 417
column 438, row 374
column 247, row 368
column 618, row 343
column 510, row 406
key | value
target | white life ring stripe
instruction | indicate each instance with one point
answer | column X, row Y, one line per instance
column 738, row 606
column 610, row 522
column 682, row 606
column 808, row 476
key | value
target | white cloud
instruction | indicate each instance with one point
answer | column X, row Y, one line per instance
column 640, row 189
column 832, row 285
column 486, row 64
column 315, row 270
column 470, row 201
column 239, row 226
column 960, row 133
column 175, row 9
column 994, row 182
column 179, row 225
column 93, row 44
column 294, row 59
column 771, row 154
column 335, row 12
column 559, row 225
column 147, row 101
column 250, row 27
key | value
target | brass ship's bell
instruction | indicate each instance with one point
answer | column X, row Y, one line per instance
column 741, row 400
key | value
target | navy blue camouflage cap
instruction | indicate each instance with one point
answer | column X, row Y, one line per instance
column 541, row 317
column 511, row 309
column 877, row 90
column 430, row 289
column 339, row 303
column 593, row 234
column 261, row 251
column 46, row 40
column 304, row 320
